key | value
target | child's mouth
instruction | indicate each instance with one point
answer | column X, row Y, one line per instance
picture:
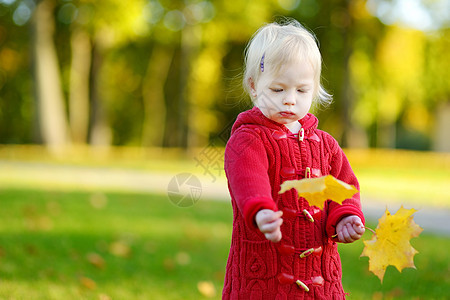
column 287, row 114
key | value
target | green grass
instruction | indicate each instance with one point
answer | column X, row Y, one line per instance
column 46, row 238
column 73, row 245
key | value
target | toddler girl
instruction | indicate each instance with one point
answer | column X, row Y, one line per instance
column 281, row 247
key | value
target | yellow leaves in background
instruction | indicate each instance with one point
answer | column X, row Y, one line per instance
column 391, row 243
column 318, row 190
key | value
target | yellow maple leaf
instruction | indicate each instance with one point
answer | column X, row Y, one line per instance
column 390, row 244
column 318, row 190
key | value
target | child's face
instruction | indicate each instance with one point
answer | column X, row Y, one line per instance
column 286, row 97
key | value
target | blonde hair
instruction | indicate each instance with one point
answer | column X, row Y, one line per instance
column 276, row 44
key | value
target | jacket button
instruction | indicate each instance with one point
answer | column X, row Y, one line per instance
column 289, row 213
column 287, row 172
column 284, row 278
column 315, row 251
column 286, row 249
column 278, row 135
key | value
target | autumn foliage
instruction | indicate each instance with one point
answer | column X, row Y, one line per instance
column 318, row 190
column 391, row 243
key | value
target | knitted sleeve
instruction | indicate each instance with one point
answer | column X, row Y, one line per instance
column 341, row 169
column 246, row 166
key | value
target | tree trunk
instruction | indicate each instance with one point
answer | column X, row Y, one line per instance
column 49, row 96
column 347, row 89
column 184, row 107
column 441, row 132
column 100, row 134
column 154, row 96
column 79, row 85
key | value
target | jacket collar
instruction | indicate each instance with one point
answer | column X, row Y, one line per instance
column 254, row 116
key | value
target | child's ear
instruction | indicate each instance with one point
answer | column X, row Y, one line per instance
column 251, row 83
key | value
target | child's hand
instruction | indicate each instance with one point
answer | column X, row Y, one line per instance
column 350, row 229
column 269, row 223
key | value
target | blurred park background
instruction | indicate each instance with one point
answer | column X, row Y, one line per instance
column 103, row 104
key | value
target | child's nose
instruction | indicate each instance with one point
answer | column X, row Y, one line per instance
column 289, row 99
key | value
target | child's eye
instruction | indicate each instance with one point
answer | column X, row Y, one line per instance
column 302, row 90
column 277, row 90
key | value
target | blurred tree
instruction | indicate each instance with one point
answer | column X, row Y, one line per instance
column 154, row 96
column 94, row 30
column 49, row 95
column 193, row 88
column 437, row 88
column 398, row 86
column 16, row 102
column 217, row 75
column 79, row 93
column 97, row 27
column 400, row 63
column 164, row 90
column 168, row 73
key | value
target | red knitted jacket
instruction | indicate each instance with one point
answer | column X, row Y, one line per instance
column 259, row 156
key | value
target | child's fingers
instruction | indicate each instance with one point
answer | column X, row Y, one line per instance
column 272, row 216
column 271, row 227
column 274, row 236
column 344, row 235
column 359, row 229
column 355, row 233
column 348, row 234
column 267, row 216
column 350, row 229
column 269, row 223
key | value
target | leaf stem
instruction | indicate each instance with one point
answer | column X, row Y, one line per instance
column 371, row 230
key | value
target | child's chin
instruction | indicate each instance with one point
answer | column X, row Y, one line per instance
column 286, row 122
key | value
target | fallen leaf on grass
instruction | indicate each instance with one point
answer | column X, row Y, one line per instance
column 98, row 200
column 88, row 283
column 96, row 260
column 169, row 264
column 150, row 247
column 206, row 288
column 183, row 258
column 318, row 190
column 32, row 250
column 53, row 208
column 104, row 297
column 120, row 249
column 391, row 243
column 34, row 220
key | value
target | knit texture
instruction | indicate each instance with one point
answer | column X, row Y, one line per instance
column 256, row 157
